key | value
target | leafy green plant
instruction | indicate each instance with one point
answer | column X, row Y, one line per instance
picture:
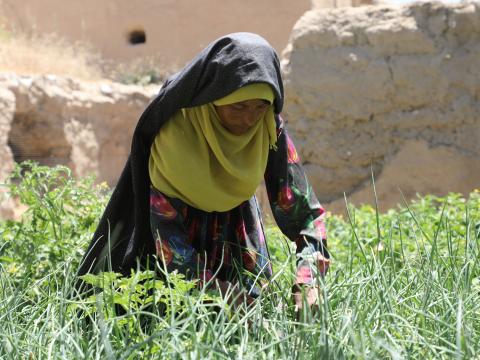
column 143, row 290
column 61, row 214
column 403, row 284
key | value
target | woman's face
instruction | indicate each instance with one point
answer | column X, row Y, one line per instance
column 239, row 117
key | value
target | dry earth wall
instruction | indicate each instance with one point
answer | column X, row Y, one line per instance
column 175, row 30
column 389, row 88
column 53, row 120
column 393, row 89
column 87, row 126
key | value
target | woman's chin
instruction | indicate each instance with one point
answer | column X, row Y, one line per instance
column 239, row 131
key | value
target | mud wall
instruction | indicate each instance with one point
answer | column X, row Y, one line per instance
column 175, row 30
column 54, row 120
column 389, row 89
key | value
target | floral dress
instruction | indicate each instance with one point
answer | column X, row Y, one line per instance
column 231, row 245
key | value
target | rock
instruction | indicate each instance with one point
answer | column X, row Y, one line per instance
column 56, row 120
column 368, row 86
column 7, row 110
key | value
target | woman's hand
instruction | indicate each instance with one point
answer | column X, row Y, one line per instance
column 322, row 264
column 306, row 294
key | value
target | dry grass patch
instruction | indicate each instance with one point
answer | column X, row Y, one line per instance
column 50, row 54
column 34, row 55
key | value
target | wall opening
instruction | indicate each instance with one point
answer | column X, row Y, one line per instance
column 137, row 36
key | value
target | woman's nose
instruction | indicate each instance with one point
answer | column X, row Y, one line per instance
column 250, row 119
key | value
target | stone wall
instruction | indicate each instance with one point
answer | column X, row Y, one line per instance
column 390, row 89
column 54, row 120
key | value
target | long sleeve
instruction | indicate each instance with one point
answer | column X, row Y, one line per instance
column 294, row 205
column 172, row 239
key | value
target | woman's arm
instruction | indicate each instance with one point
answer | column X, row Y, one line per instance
column 296, row 209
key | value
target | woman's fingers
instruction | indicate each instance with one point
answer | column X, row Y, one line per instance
column 322, row 264
column 308, row 295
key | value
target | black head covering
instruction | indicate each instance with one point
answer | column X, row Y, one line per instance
column 224, row 66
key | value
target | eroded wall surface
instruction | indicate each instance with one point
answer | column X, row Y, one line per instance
column 389, row 89
column 55, row 120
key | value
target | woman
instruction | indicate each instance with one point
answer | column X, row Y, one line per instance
column 198, row 153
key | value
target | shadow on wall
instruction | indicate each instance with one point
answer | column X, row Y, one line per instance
column 41, row 140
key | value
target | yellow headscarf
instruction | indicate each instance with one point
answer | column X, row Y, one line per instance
column 195, row 159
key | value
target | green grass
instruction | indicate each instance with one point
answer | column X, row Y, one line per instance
column 404, row 284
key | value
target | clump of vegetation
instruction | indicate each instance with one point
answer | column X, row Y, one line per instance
column 142, row 71
column 404, row 284
column 57, row 225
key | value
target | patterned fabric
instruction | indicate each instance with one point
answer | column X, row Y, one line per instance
column 231, row 245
